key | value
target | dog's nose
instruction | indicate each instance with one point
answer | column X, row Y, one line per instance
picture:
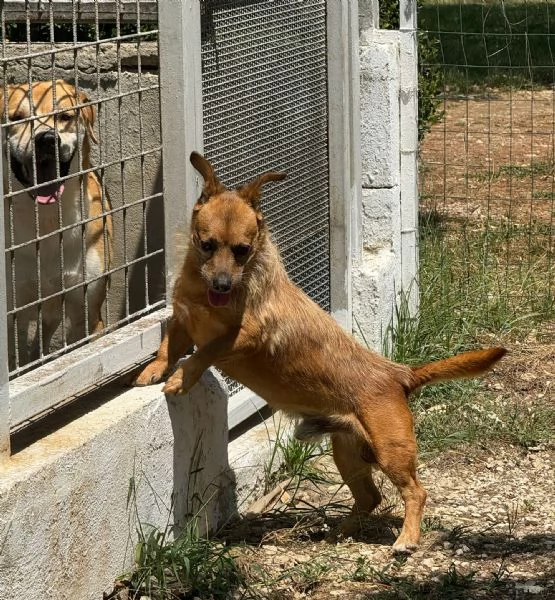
column 46, row 139
column 221, row 283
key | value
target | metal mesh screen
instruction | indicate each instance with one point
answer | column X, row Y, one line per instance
column 265, row 108
column 82, row 187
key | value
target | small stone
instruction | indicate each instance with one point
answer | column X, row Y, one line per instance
column 530, row 587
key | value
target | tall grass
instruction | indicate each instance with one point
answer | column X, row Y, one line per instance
column 472, row 295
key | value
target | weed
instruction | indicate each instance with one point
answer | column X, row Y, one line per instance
column 470, row 290
column 187, row 565
column 366, row 572
column 513, row 518
column 291, row 458
column 308, row 575
column 536, row 168
column 543, row 195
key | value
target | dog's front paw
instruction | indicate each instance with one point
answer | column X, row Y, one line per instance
column 174, row 385
column 184, row 378
column 151, row 374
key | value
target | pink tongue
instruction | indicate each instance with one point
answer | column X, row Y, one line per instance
column 52, row 197
column 217, row 299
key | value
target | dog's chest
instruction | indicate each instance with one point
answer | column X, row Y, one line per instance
column 54, row 252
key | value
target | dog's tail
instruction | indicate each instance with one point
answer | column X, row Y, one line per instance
column 468, row 364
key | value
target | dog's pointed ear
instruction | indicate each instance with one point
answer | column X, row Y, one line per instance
column 212, row 184
column 251, row 191
column 89, row 115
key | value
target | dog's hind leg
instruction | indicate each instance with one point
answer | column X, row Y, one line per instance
column 352, row 459
column 390, row 427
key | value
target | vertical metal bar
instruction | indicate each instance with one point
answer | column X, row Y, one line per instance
column 141, row 150
column 343, row 102
column 101, row 173
column 181, row 111
column 408, row 145
column 4, row 377
column 4, row 350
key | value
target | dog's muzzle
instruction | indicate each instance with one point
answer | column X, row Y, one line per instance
column 46, row 168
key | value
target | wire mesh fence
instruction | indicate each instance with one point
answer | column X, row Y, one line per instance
column 487, row 163
column 82, row 189
column 265, row 107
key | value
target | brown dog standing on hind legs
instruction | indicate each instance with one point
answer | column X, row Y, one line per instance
column 235, row 302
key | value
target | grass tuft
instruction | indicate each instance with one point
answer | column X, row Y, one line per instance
column 189, row 565
column 472, row 295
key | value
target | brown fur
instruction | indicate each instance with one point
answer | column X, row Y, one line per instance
column 275, row 340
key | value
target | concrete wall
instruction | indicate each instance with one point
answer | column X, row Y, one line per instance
column 67, row 524
column 381, row 269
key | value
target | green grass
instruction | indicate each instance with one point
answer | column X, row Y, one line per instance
column 189, row 565
column 478, row 287
column 492, row 44
column 536, row 168
column 290, row 458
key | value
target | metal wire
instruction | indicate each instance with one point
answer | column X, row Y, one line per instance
column 134, row 148
column 265, row 108
column 488, row 162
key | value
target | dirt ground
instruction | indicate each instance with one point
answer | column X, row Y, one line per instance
column 492, row 156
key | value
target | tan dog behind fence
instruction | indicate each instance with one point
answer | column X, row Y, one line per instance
column 235, row 302
column 48, row 141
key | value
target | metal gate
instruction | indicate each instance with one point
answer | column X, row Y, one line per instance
column 254, row 84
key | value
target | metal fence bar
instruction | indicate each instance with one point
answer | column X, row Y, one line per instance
column 37, row 387
column 344, row 149
column 87, row 11
column 33, row 393
column 4, row 374
column 180, row 97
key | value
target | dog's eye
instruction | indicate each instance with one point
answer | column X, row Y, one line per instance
column 207, row 245
column 64, row 117
column 241, row 250
column 17, row 116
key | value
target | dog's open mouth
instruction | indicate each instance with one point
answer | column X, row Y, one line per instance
column 51, row 191
column 218, row 298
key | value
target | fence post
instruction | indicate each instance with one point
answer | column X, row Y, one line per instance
column 181, row 122
column 4, row 378
column 344, row 151
column 408, row 144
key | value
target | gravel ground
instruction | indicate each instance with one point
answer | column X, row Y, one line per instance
column 489, row 532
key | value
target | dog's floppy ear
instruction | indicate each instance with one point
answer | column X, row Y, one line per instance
column 212, row 184
column 251, row 191
column 89, row 115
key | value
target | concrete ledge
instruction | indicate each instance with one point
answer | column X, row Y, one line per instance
column 67, row 525
column 251, row 453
